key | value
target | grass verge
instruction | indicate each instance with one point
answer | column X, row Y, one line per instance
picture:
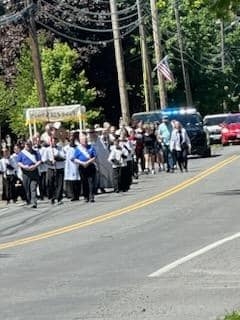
column 232, row 316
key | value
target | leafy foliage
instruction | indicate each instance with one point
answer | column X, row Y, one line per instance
column 233, row 316
column 64, row 83
column 23, row 88
column 212, row 84
column 6, row 101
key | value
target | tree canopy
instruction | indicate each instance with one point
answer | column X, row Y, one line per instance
column 65, row 83
column 74, row 57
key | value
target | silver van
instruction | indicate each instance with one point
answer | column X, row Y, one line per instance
column 212, row 123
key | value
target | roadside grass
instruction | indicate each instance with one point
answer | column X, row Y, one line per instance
column 232, row 316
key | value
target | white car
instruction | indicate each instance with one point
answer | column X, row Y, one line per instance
column 213, row 124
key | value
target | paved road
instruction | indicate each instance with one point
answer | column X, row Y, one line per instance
column 94, row 261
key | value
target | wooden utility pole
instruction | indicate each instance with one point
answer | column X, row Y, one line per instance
column 186, row 80
column 222, row 45
column 36, row 58
column 158, row 51
column 223, row 57
column 146, row 68
column 120, row 63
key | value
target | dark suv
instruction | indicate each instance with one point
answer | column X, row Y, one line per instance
column 192, row 121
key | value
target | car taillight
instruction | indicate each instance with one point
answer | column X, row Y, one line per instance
column 225, row 130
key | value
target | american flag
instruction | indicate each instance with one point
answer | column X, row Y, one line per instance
column 163, row 67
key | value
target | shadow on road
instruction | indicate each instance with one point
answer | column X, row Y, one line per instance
column 234, row 192
column 28, row 222
column 5, row 255
column 196, row 157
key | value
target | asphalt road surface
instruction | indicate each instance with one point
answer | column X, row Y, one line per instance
column 168, row 249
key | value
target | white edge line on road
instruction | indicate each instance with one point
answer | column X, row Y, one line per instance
column 192, row 255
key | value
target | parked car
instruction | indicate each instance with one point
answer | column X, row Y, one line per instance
column 213, row 124
column 231, row 129
column 192, row 121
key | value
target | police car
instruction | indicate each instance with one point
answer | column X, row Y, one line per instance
column 192, row 121
column 147, row 116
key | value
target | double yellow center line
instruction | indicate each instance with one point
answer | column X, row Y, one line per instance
column 119, row 212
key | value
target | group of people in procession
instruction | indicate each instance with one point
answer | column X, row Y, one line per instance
column 81, row 164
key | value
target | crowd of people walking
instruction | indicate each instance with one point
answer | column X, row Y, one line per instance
column 81, row 164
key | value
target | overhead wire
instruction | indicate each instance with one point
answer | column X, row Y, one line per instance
column 85, row 28
column 185, row 53
column 101, row 16
column 10, row 18
column 94, row 13
column 132, row 26
column 124, row 29
column 90, row 42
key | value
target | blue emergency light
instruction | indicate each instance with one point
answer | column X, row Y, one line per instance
column 179, row 110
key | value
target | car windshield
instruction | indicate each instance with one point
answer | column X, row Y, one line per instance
column 147, row 117
column 187, row 119
column 233, row 119
column 214, row 121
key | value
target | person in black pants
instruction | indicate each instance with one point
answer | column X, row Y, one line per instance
column 85, row 156
column 117, row 158
column 29, row 160
column 180, row 145
column 55, row 159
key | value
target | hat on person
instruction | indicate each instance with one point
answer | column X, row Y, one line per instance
column 56, row 125
column 90, row 130
column 165, row 117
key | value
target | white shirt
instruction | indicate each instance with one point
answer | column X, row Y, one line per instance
column 175, row 139
column 4, row 162
column 50, row 156
column 116, row 158
column 71, row 169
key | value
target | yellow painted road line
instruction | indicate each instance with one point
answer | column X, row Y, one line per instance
column 119, row 212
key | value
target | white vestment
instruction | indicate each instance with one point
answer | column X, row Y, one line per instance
column 71, row 172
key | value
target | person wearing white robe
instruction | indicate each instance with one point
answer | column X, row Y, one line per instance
column 71, row 173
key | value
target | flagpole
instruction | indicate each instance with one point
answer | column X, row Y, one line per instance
column 158, row 52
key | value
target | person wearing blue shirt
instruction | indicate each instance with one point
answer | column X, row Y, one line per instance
column 164, row 133
column 29, row 160
column 85, row 156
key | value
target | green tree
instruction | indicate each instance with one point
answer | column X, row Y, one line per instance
column 64, row 82
column 211, row 84
column 220, row 7
column 23, row 88
column 6, row 101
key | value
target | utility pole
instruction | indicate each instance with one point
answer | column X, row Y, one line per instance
column 223, row 58
column 120, row 63
column 147, row 74
column 222, row 45
column 158, row 52
column 186, row 80
column 36, row 58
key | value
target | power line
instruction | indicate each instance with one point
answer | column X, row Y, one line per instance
column 101, row 16
column 87, row 12
column 88, row 29
column 90, row 42
column 10, row 18
column 187, row 55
